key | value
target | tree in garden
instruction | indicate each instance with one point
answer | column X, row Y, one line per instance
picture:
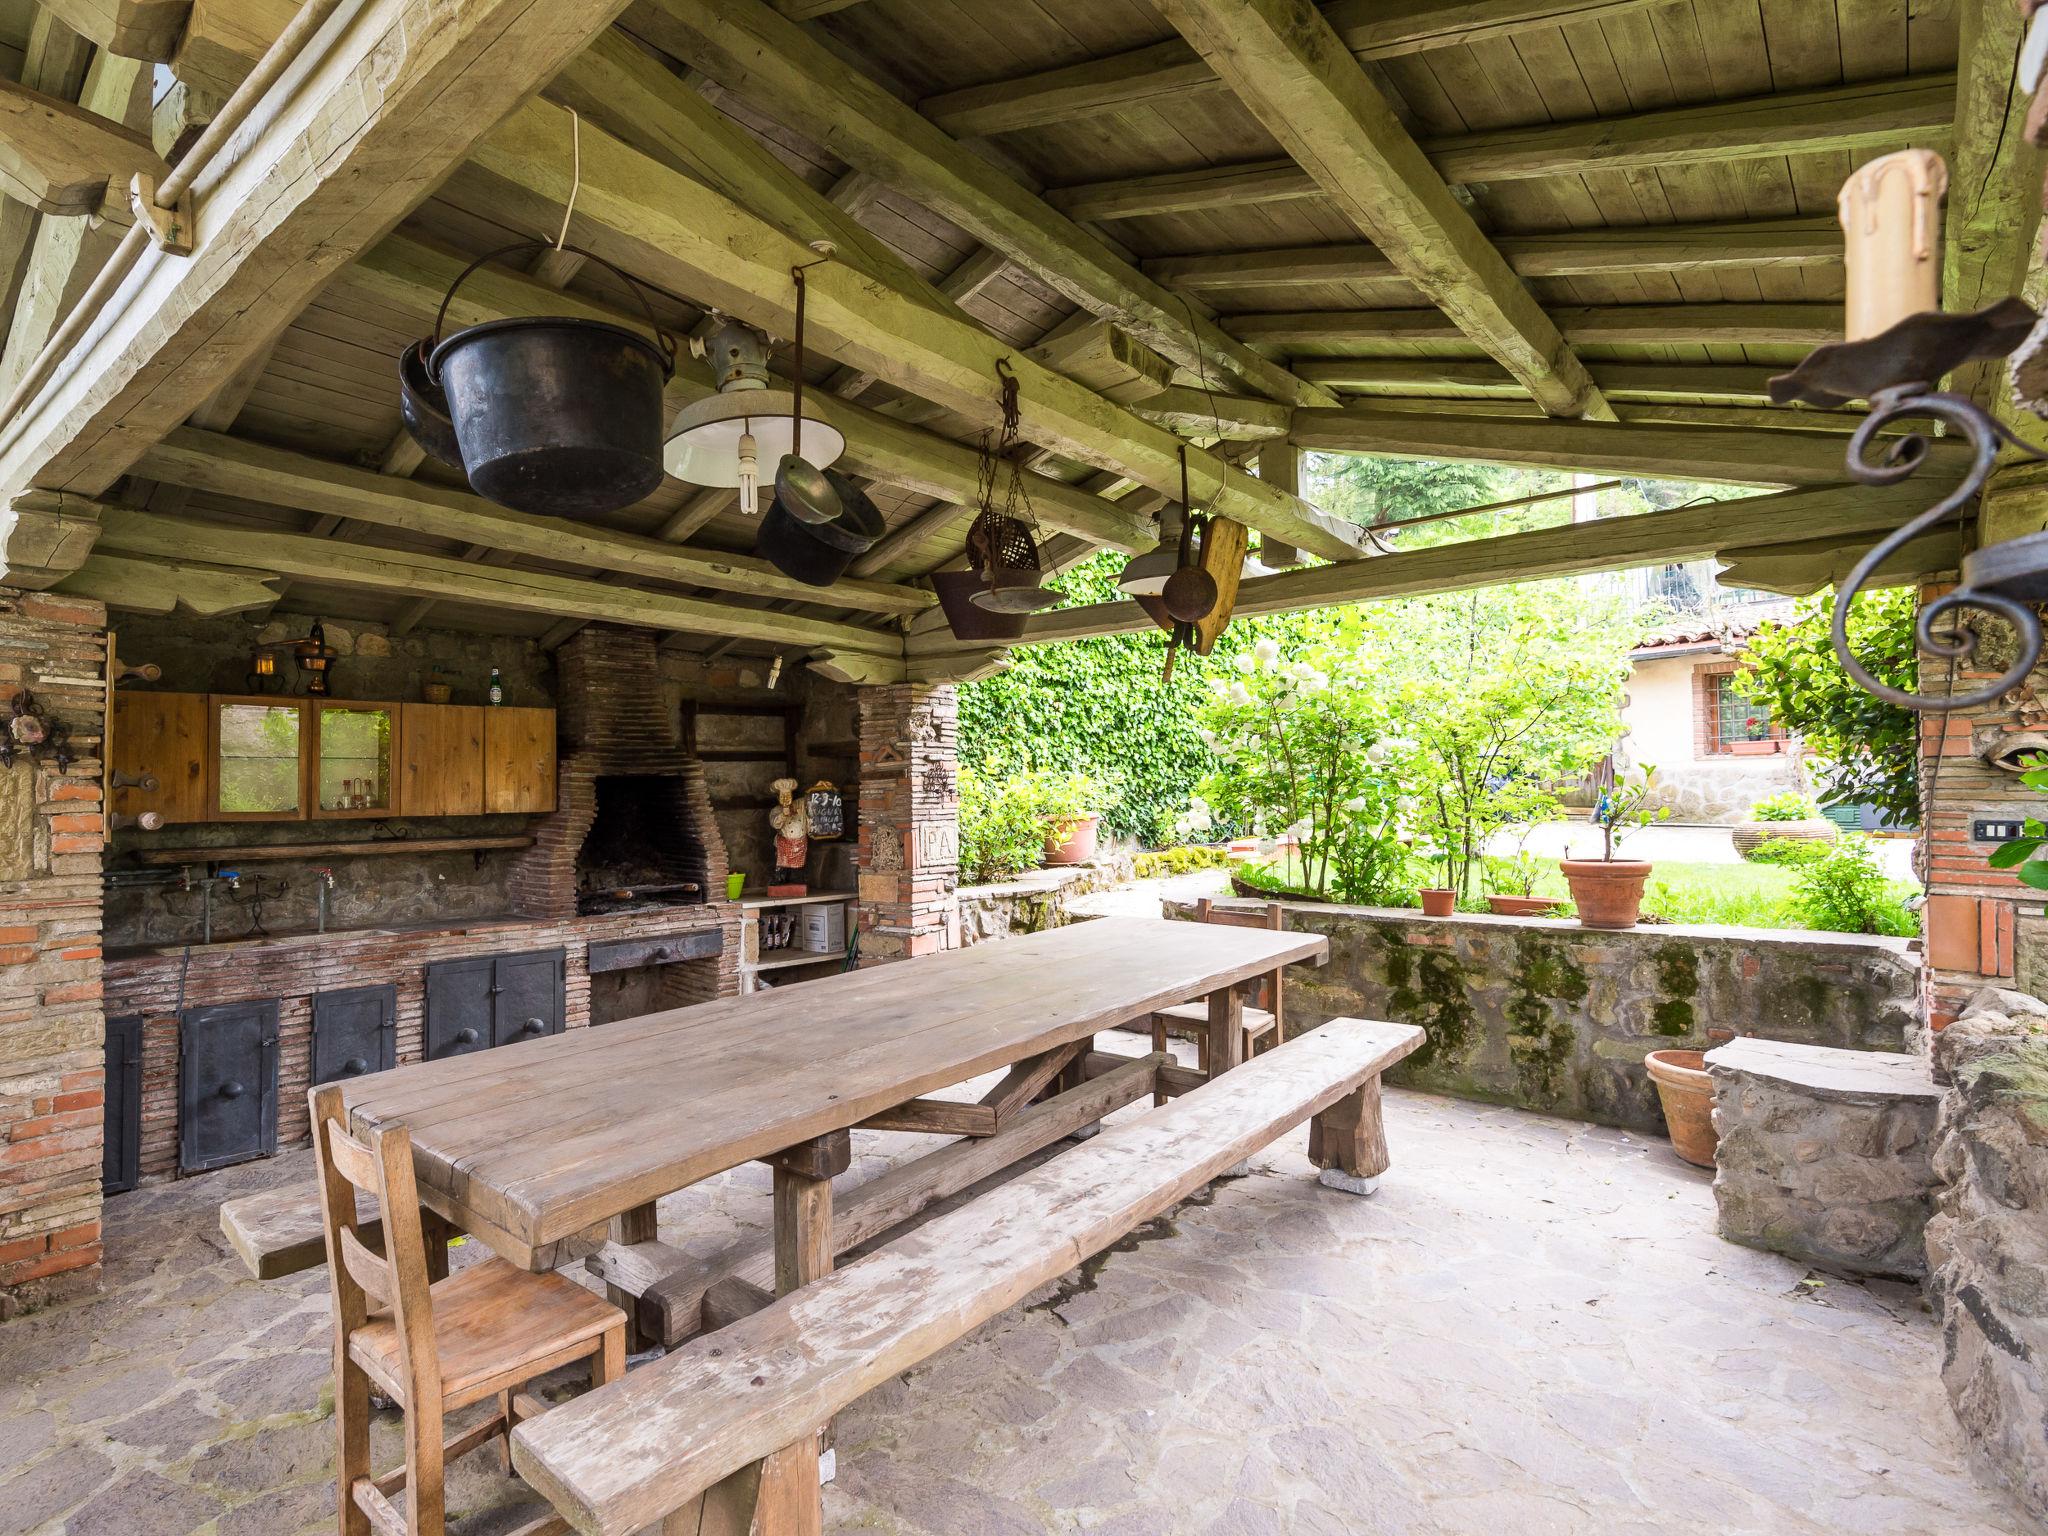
column 1865, row 748
column 1300, row 742
column 1501, row 697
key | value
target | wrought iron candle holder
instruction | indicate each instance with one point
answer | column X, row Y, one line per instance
column 1893, row 370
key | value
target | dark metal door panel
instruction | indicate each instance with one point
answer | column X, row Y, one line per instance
column 459, row 1007
column 227, row 1084
column 354, row 1031
column 121, row 1151
column 529, row 995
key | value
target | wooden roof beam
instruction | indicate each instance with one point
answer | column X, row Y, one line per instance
column 1572, row 253
column 1871, row 114
column 687, row 237
column 791, row 75
column 359, row 567
column 136, row 29
column 59, row 157
column 229, row 466
column 1162, row 72
column 1791, row 324
column 1730, row 383
column 1733, row 456
column 320, row 170
column 411, row 276
column 1290, row 68
column 1840, row 513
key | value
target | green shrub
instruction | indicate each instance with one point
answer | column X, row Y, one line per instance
column 1001, row 832
column 1789, row 806
column 1786, row 850
column 1842, row 890
column 1184, row 860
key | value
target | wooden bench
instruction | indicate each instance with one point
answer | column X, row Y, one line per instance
column 280, row 1232
column 721, row 1434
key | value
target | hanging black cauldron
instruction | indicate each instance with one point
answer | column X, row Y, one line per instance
column 819, row 553
column 550, row 415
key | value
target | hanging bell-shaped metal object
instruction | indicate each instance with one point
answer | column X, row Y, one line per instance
column 805, row 493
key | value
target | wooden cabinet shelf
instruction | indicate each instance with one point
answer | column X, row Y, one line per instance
column 274, row 853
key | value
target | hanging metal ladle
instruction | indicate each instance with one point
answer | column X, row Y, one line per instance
column 800, row 485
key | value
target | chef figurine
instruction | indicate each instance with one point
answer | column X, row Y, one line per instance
column 791, row 819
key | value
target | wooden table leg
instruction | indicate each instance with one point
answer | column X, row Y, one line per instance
column 635, row 1226
column 1348, row 1142
column 791, row 1497
column 1226, row 1031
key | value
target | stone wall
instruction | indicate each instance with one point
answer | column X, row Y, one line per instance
column 52, row 1050
column 1549, row 1016
column 1039, row 899
column 909, row 856
column 1988, row 1241
column 1824, row 1154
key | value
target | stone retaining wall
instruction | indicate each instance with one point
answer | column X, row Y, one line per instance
column 1988, row 1240
column 1546, row 1015
column 1038, row 899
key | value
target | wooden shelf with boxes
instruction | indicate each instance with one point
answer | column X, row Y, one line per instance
column 214, row 757
column 825, row 917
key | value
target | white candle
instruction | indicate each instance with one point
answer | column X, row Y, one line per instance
column 1891, row 242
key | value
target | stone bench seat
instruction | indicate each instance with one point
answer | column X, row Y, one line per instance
column 721, row 1434
column 1825, row 1154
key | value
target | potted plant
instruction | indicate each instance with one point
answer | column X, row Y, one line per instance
column 1510, row 883
column 1070, row 805
column 1756, row 739
column 1609, row 891
column 1685, row 1090
column 1792, row 816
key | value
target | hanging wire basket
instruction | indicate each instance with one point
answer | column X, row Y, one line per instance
column 1002, row 546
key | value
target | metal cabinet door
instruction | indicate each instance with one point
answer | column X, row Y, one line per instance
column 354, row 1031
column 529, row 996
column 227, row 1084
column 121, row 1150
column 459, row 1007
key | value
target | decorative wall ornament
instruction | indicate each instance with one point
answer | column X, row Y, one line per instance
column 32, row 734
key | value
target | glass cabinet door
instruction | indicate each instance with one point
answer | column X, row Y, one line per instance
column 258, row 759
column 355, row 757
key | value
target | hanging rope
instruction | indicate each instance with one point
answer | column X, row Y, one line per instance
column 575, row 175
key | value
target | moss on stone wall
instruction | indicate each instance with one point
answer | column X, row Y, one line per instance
column 1678, row 985
column 1540, row 1034
column 1429, row 987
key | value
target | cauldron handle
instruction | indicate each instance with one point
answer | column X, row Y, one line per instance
column 662, row 338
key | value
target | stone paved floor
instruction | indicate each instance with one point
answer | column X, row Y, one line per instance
column 1530, row 1329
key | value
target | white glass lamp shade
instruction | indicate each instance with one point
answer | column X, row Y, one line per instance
column 703, row 446
column 1146, row 575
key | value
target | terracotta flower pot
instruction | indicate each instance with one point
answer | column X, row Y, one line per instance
column 1608, row 892
column 1077, row 847
column 1439, row 903
column 1686, row 1090
column 1521, row 906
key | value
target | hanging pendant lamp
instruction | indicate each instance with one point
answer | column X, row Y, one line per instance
column 723, row 439
column 1145, row 575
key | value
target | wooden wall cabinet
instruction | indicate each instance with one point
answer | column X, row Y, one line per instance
column 444, row 760
column 163, row 734
column 263, row 757
column 519, row 760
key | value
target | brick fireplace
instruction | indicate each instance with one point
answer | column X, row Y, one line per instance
column 632, row 812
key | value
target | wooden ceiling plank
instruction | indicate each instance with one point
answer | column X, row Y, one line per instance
column 748, row 48
column 1733, row 456
column 691, row 239
column 229, row 466
column 1371, row 29
column 385, row 570
column 1887, row 113
column 1839, row 513
column 321, row 169
column 1290, row 68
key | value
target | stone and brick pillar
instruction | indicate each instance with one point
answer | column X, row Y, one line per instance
column 52, row 1032
column 909, row 853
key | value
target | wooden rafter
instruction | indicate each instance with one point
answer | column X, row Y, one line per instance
column 54, row 64
column 137, row 29
column 1292, row 70
column 318, row 173
column 1620, row 543
column 687, row 237
column 1789, row 324
column 60, row 157
column 747, row 47
column 1732, row 383
column 1734, row 456
column 1879, row 114
column 1155, row 75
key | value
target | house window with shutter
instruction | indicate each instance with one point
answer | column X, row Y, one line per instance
column 1725, row 724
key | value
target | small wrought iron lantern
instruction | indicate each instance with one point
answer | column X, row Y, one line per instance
column 262, row 674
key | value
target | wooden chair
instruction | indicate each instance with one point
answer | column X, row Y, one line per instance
column 1262, row 1011
column 430, row 1341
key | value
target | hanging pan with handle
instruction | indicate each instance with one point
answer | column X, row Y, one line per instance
column 548, row 414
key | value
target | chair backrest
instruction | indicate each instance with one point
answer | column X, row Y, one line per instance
column 362, row 1279
column 1265, row 992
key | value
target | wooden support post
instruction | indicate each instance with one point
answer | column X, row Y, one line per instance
column 436, row 1232
column 1348, row 1142
column 635, row 1226
column 791, row 1503
column 1226, row 1031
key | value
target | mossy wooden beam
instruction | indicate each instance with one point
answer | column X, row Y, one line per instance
column 1289, row 67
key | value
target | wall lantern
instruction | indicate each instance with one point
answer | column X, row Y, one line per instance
column 316, row 659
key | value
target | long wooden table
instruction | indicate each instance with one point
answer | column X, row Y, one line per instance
column 530, row 1145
